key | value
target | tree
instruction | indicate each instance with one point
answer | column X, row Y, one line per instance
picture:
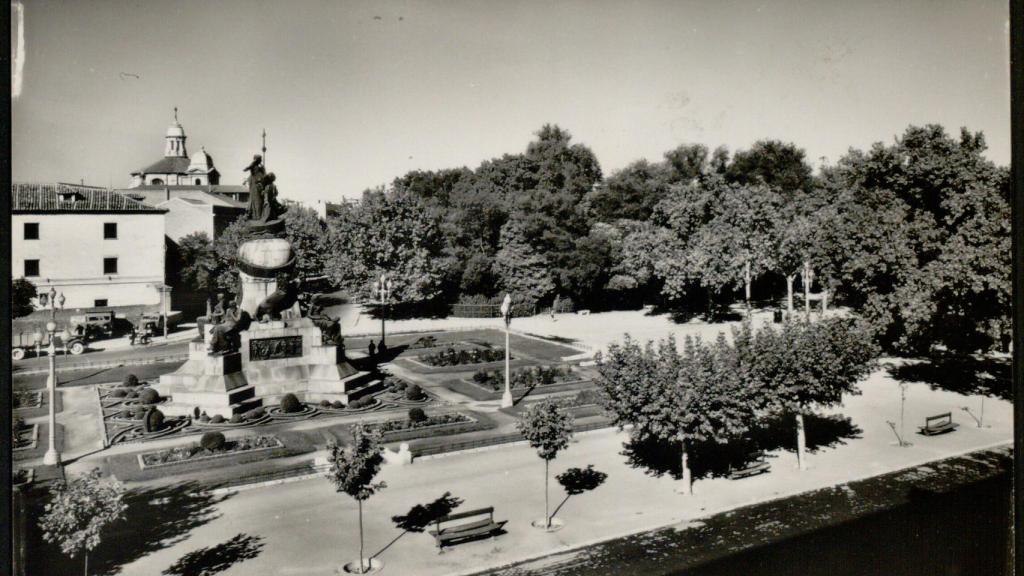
column 198, row 265
column 225, row 247
column 806, row 365
column 392, row 233
column 308, row 235
column 352, row 471
column 22, row 293
column 79, row 511
column 779, row 165
column 548, row 428
column 522, row 269
column 695, row 398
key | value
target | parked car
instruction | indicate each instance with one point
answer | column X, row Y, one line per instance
column 93, row 325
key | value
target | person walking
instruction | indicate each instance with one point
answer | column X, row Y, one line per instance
column 373, row 349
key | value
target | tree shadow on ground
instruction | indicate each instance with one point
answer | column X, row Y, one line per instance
column 961, row 374
column 214, row 559
column 709, row 460
column 156, row 518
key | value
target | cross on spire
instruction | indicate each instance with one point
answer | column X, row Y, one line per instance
column 175, row 113
column 264, row 149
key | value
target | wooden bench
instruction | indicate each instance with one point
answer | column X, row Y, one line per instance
column 756, row 464
column 481, row 527
column 938, row 424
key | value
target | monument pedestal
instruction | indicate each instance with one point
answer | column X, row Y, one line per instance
column 276, row 358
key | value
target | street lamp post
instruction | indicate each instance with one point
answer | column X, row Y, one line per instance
column 52, row 457
column 383, row 288
column 506, row 313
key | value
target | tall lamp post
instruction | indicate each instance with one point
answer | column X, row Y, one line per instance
column 52, row 457
column 506, row 313
column 383, row 288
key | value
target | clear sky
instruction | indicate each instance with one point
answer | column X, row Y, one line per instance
column 353, row 94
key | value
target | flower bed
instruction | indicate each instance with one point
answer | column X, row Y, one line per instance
column 193, row 453
column 137, row 433
column 26, row 437
column 437, row 425
column 526, row 377
column 22, row 477
column 307, row 411
column 452, row 357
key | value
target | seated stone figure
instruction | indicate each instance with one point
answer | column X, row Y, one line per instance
column 226, row 334
column 278, row 301
column 216, row 316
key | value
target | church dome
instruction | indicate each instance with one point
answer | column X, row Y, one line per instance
column 200, row 161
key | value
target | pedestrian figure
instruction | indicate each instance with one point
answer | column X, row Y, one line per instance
column 373, row 349
column 554, row 306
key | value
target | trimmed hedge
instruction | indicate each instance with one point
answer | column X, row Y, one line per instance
column 290, row 404
column 130, row 380
column 217, row 419
column 149, row 396
column 212, row 441
column 414, row 393
column 417, row 415
column 154, row 420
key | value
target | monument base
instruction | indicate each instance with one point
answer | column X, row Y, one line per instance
column 276, row 358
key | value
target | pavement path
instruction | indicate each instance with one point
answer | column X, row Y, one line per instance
column 307, row 528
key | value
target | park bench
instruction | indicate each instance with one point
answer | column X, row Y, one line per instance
column 938, row 424
column 481, row 527
column 756, row 464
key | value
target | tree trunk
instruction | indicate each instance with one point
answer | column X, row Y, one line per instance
column 789, row 292
column 805, row 279
column 547, row 519
column 687, row 480
column 824, row 302
column 801, row 443
column 86, row 563
column 746, row 280
column 361, row 569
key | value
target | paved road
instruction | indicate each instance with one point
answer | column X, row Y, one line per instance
column 108, row 355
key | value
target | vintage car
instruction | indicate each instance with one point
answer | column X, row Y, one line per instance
column 24, row 341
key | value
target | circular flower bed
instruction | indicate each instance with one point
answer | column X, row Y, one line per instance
column 306, row 411
column 525, row 377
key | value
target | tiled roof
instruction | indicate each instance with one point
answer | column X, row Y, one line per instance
column 212, row 188
column 172, row 165
column 72, row 198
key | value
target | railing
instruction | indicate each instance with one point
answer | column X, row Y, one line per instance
column 493, row 441
column 298, row 471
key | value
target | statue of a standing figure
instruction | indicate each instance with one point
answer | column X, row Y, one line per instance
column 271, row 208
column 257, row 202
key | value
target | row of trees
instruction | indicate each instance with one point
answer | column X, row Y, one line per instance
column 914, row 235
column 716, row 394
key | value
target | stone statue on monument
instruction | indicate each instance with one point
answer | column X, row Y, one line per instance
column 256, row 186
column 226, row 334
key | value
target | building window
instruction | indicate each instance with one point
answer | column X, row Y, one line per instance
column 110, row 230
column 156, row 181
column 99, row 303
column 110, row 265
column 31, row 231
column 199, row 181
column 31, row 268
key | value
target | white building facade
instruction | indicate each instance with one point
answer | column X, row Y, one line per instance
column 99, row 248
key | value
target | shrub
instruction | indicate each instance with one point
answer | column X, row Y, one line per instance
column 236, row 419
column 212, row 441
column 154, row 420
column 401, row 385
column 119, row 393
column 149, row 396
column 255, row 414
column 417, row 415
column 217, row 419
column 139, row 413
column 204, row 418
column 130, row 381
column 290, row 404
column 195, row 412
column 337, row 404
column 325, row 403
column 414, row 392
column 131, row 394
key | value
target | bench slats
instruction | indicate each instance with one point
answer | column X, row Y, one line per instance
column 486, row 529
column 467, row 514
column 462, row 527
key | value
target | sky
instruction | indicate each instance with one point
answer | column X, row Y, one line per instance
column 355, row 94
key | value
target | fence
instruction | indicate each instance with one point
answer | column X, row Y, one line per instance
column 493, row 441
column 490, row 311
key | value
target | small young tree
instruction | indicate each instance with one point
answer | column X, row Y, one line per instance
column 78, row 512
column 352, row 471
column 806, row 365
column 548, row 428
column 693, row 398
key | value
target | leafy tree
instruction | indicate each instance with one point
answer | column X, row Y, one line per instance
column 79, row 511
column 806, row 365
column 198, row 265
column 353, row 469
column 695, row 398
column 779, row 165
column 548, row 428
column 630, row 193
column 225, row 247
column 390, row 233
column 308, row 235
column 522, row 269
column 22, row 293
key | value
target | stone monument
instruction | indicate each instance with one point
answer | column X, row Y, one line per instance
column 265, row 345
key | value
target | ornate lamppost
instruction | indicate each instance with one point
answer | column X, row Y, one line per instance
column 383, row 288
column 506, row 313
column 52, row 457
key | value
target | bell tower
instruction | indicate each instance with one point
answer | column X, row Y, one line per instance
column 175, row 147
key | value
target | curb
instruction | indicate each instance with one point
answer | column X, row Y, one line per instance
column 708, row 513
column 107, row 364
